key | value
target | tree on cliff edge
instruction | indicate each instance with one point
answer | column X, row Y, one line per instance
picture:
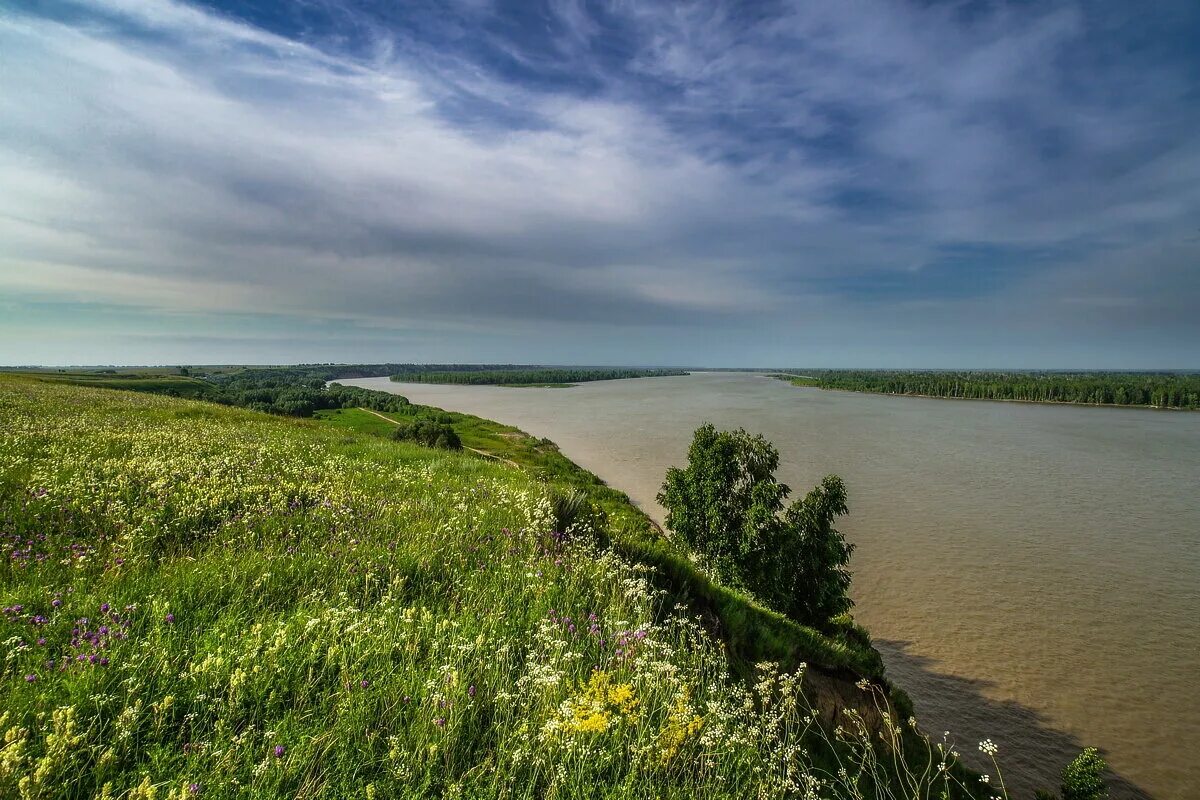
column 728, row 507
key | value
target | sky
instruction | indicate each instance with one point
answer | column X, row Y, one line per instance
column 818, row 183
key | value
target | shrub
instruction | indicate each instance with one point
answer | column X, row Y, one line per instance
column 1083, row 778
column 429, row 433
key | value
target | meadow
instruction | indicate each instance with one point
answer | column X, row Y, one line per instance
column 202, row 601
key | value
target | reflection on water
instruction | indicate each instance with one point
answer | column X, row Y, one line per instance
column 1032, row 573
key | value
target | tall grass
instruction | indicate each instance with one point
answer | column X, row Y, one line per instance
column 201, row 601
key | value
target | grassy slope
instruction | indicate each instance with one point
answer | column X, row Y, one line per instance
column 751, row 633
column 174, row 385
column 187, row 588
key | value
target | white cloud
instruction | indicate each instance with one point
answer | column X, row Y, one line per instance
column 178, row 160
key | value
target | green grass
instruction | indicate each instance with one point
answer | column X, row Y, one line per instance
column 752, row 633
column 188, row 587
column 142, row 381
column 354, row 420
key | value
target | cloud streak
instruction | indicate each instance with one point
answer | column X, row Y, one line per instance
column 603, row 174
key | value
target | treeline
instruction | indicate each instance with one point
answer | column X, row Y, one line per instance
column 528, row 376
column 1159, row 390
column 298, row 396
column 333, row 372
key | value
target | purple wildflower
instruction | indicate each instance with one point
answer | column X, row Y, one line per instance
column 30, row 678
column 279, row 751
column 170, row 618
column 364, row 683
column 471, row 690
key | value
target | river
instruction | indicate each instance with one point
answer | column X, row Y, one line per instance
column 1031, row 573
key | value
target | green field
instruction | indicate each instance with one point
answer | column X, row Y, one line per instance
column 200, row 600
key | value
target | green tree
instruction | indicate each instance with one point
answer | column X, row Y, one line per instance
column 728, row 507
column 1083, row 778
column 723, row 503
column 810, row 580
column 429, row 433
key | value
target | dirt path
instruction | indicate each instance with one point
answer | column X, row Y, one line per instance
column 483, row 453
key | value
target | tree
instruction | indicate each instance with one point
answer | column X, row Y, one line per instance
column 1083, row 778
column 721, row 503
column 811, row 580
column 429, row 433
column 728, row 507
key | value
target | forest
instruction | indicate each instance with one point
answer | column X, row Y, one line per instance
column 526, row 376
column 1154, row 389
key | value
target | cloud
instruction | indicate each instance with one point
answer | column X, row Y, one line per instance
column 581, row 168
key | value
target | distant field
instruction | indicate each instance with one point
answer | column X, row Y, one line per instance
column 175, row 385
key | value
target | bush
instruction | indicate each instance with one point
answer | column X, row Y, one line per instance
column 1083, row 778
column 429, row 433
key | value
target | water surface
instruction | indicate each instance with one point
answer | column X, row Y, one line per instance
column 1031, row 573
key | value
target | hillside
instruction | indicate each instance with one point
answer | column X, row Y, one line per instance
column 208, row 601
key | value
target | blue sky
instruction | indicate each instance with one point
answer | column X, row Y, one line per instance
column 810, row 183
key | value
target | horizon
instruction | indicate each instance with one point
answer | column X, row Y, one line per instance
column 865, row 186
column 614, row 364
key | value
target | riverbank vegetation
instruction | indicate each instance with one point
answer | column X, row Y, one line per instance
column 203, row 601
column 727, row 506
column 542, row 377
column 1158, row 389
column 303, row 390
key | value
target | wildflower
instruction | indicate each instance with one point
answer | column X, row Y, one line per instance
column 440, row 722
column 170, row 618
column 987, row 746
column 364, row 683
column 30, row 678
column 471, row 690
column 193, row 788
column 279, row 750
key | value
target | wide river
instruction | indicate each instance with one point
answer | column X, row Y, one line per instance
column 1031, row 573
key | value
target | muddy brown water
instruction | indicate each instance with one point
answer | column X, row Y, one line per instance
column 1031, row 573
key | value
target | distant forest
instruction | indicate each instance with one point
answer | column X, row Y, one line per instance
column 304, row 389
column 1159, row 390
column 531, row 377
